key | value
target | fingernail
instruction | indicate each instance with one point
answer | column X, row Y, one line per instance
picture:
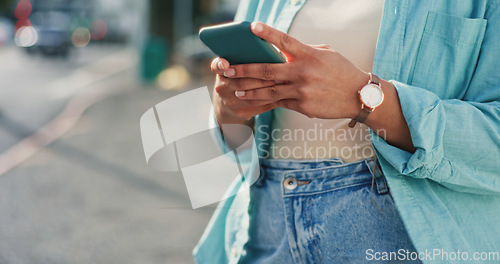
column 220, row 65
column 257, row 27
column 240, row 93
column 230, row 73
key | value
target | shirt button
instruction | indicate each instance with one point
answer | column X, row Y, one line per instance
column 294, row 2
column 290, row 183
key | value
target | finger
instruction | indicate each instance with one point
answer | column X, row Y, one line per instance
column 281, row 40
column 276, row 93
column 236, row 102
column 250, row 112
column 263, row 71
column 225, row 85
column 221, row 84
column 242, row 84
column 213, row 65
column 321, row 46
column 229, row 98
column 219, row 65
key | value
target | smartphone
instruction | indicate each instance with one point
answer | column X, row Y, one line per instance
column 236, row 43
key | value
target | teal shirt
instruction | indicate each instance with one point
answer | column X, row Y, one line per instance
column 443, row 57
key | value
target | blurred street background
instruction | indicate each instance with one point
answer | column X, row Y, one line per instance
column 75, row 78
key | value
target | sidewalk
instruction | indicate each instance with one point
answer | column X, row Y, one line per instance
column 89, row 197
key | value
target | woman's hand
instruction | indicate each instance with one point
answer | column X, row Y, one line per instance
column 229, row 109
column 317, row 81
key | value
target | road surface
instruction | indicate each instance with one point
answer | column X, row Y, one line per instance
column 88, row 197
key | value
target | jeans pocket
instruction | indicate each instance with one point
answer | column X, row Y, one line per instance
column 448, row 54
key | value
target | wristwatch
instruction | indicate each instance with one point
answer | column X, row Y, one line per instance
column 371, row 96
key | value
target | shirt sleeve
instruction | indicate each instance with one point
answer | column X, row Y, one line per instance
column 217, row 133
column 457, row 140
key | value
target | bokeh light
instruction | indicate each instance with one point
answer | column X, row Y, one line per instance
column 22, row 23
column 26, row 36
column 81, row 37
column 98, row 29
column 175, row 77
column 23, row 9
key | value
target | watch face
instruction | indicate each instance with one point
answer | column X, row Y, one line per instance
column 371, row 95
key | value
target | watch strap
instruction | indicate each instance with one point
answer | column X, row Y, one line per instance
column 363, row 114
column 374, row 79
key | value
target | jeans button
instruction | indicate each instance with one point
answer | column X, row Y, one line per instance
column 290, row 183
column 234, row 252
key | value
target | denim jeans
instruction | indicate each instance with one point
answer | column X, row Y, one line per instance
column 323, row 212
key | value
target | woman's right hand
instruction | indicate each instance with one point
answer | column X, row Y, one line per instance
column 229, row 109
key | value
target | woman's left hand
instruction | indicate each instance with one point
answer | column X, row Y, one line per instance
column 316, row 81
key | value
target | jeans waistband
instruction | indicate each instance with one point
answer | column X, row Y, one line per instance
column 316, row 175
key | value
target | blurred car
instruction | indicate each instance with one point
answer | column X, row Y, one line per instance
column 53, row 33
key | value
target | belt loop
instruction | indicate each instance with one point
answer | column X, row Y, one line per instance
column 376, row 171
column 378, row 178
column 261, row 181
column 382, row 186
